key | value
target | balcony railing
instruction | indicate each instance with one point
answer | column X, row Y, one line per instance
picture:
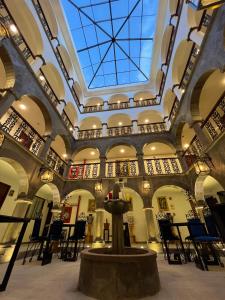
column 214, row 124
column 93, row 108
column 55, row 162
column 194, row 151
column 89, row 134
column 174, row 110
column 47, row 88
column 67, row 121
column 202, row 4
column 126, row 168
column 17, row 127
column 163, row 166
column 121, row 105
column 147, row 102
column 18, row 39
column 152, row 128
column 84, row 171
column 122, row 130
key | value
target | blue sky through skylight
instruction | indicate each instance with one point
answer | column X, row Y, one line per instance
column 113, row 38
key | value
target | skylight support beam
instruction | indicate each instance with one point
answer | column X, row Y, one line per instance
column 96, row 45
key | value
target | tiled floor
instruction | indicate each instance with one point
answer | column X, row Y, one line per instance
column 58, row 281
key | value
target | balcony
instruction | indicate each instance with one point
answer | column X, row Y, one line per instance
column 163, row 166
column 84, row 171
column 55, row 162
column 118, row 131
column 18, row 128
column 203, row 4
column 126, row 168
column 89, row 134
column 152, row 128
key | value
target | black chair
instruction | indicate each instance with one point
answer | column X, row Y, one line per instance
column 167, row 236
column 205, row 252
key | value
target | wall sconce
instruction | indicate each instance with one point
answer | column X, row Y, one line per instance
column 146, row 185
column 203, row 165
column 46, row 175
column 98, row 186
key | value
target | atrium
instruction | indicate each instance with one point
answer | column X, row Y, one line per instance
column 112, row 138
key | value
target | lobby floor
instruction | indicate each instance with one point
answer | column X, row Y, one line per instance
column 58, row 281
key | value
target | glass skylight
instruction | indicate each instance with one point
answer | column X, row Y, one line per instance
column 113, row 39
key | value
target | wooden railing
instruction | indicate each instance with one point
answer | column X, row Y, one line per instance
column 163, row 166
column 126, row 168
column 17, row 127
column 152, row 128
column 55, row 162
column 89, row 134
column 84, row 171
column 121, row 130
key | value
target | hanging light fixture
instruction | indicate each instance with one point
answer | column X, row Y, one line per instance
column 98, row 186
column 46, row 175
column 146, row 185
column 203, row 165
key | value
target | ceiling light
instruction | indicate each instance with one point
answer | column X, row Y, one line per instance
column 146, row 120
column 153, row 148
column 186, row 146
column 71, row 128
column 120, row 123
column 64, row 155
column 13, row 28
column 141, row 99
column 98, row 104
column 122, row 150
column 118, row 102
column 23, row 106
column 41, row 77
column 182, row 91
column 92, row 152
column 94, row 126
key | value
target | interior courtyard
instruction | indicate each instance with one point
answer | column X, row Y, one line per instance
column 112, row 149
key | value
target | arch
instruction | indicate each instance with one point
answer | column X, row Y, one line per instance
column 166, row 42
column 173, row 6
column 7, row 75
column 35, row 113
column 27, row 25
column 90, row 123
column 149, row 116
column 66, row 60
column 206, row 185
column 208, row 90
column 119, row 120
column 59, row 146
column 187, row 134
column 143, row 95
column 158, row 81
column 94, row 101
column 49, row 192
column 118, row 98
column 193, row 17
column 168, row 101
column 121, row 151
column 54, row 78
column 171, row 199
column 158, row 149
column 88, row 154
column 71, row 112
column 180, row 60
column 50, row 16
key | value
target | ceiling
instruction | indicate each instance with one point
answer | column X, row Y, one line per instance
column 113, row 39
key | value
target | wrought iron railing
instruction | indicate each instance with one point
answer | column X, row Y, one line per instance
column 47, row 88
column 121, row 105
column 214, row 124
column 67, row 121
column 121, row 130
column 174, row 110
column 17, row 127
column 89, row 134
column 7, row 19
column 163, row 166
column 126, row 168
column 194, row 151
column 147, row 102
column 84, row 171
column 55, row 162
column 93, row 108
column 152, row 128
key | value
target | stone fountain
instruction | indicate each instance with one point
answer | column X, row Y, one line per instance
column 118, row 272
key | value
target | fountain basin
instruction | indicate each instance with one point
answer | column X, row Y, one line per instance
column 133, row 274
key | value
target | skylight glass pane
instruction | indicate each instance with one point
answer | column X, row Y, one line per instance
column 113, row 39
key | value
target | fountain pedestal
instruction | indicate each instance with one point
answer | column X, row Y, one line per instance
column 118, row 273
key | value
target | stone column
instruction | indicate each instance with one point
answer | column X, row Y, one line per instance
column 178, row 92
column 6, row 101
column 174, row 20
column 140, row 158
column 104, row 129
column 132, row 104
column 47, row 145
column 99, row 219
column 134, row 126
column 150, row 223
column 105, row 105
column 196, row 37
column 204, row 140
column 102, row 166
column 67, row 168
column 75, row 132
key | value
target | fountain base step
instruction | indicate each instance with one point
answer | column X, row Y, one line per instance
column 131, row 275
